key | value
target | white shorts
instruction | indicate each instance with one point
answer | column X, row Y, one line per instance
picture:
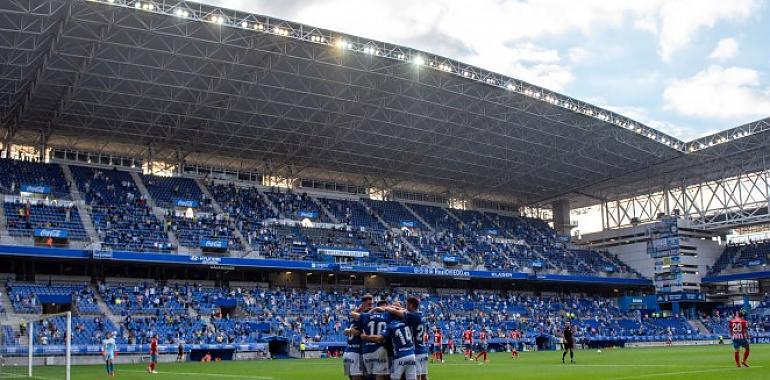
column 377, row 362
column 404, row 366
column 352, row 364
column 421, row 364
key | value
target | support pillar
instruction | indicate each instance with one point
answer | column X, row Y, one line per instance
column 6, row 152
column 561, row 217
column 42, row 148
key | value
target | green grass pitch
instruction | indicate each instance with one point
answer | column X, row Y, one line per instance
column 696, row 362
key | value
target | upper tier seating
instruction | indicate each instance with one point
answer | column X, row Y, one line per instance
column 351, row 212
column 167, row 190
column 393, row 213
column 23, row 218
column 119, row 212
column 743, row 256
column 16, row 173
column 297, row 206
column 190, row 231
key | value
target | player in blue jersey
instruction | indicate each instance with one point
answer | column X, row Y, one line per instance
column 353, row 356
column 109, row 347
column 412, row 317
column 375, row 354
column 400, row 336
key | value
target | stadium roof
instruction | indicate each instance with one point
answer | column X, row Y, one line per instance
column 189, row 81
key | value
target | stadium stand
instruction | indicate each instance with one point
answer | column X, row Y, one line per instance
column 297, row 206
column 393, row 213
column 146, row 308
column 351, row 212
column 29, row 298
column 167, row 190
column 14, row 174
column 120, row 214
column 191, row 231
column 23, row 218
column 743, row 256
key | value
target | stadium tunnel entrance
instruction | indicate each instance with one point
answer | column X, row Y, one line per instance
column 278, row 347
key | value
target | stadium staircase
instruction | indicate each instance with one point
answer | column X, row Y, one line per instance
column 452, row 215
column 404, row 241
column 105, row 310
column 696, row 324
column 5, row 238
column 11, row 318
column 376, row 215
column 85, row 216
column 324, row 210
column 159, row 212
column 218, row 209
column 417, row 216
column 192, row 313
column 270, row 203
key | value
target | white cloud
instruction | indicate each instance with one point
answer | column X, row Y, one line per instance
column 726, row 48
column 577, row 54
column 681, row 20
column 716, row 92
column 675, row 23
column 540, row 41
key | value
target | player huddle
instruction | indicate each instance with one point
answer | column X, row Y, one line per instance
column 386, row 341
column 392, row 341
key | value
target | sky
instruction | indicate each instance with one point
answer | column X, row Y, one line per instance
column 686, row 67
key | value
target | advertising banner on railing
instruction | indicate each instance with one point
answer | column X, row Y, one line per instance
column 214, row 244
column 342, row 252
column 55, row 233
column 37, row 189
column 191, row 203
column 307, row 214
column 175, row 259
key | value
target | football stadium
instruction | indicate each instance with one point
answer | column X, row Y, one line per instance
column 198, row 192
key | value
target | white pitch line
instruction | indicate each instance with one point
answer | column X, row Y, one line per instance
column 18, row 376
column 206, row 374
column 667, row 374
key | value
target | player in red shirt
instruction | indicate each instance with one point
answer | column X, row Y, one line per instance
column 468, row 343
column 739, row 332
column 153, row 354
column 438, row 346
column 483, row 346
column 515, row 336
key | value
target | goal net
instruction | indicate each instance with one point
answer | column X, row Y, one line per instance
column 36, row 347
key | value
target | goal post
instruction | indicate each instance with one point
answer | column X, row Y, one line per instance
column 37, row 347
